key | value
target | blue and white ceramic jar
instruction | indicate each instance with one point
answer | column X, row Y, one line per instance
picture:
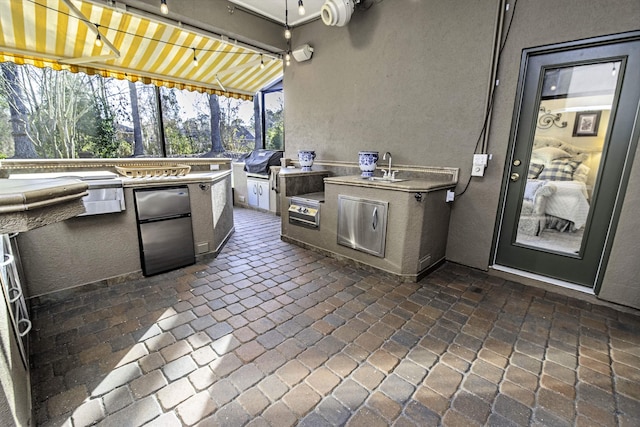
column 306, row 157
column 368, row 161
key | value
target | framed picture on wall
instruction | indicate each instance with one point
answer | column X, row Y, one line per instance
column 586, row 123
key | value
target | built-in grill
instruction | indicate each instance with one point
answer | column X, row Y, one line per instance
column 260, row 161
column 105, row 189
column 304, row 209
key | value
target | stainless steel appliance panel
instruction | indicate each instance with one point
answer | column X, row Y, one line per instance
column 164, row 227
column 166, row 245
column 304, row 210
column 158, row 203
column 362, row 224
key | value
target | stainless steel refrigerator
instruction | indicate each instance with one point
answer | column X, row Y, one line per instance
column 164, row 228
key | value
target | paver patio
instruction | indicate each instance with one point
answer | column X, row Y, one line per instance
column 272, row 334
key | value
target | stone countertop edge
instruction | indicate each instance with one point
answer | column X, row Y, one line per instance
column 409, row 185
column 191, row 178
column 299, row 172
column 19, row 195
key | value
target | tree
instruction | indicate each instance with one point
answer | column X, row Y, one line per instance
column 138, row 147
column 275, row 128
column 257, row 121
column 214, row 119
column 23, row 144
column 216, row 138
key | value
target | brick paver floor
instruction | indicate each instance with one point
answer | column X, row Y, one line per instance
column 272, row 334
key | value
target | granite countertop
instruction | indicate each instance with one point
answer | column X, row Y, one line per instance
column 408, row 185
column 19, row 195
column 191, row 178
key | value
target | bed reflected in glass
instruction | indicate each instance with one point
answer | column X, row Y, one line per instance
column 571, row 132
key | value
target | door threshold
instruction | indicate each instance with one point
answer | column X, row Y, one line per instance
column 540, row 281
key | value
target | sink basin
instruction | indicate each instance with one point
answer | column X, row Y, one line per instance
column 383, row 179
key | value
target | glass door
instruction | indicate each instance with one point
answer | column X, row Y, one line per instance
column 571, row 144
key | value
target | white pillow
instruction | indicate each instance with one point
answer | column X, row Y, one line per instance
column 581, row 173
column 547, row 154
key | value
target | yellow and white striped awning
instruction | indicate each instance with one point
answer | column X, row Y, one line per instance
column 61, row 34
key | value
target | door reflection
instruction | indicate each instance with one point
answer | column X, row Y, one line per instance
column 565, row 158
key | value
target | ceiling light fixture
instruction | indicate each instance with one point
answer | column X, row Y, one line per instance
column 195, row 60
column 98, row 41
column 261, row 62
column 287, row 31
column 163, row 7
column 301, row 10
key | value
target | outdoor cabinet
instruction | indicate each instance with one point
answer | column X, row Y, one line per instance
column 258, row 193
column 362, row 224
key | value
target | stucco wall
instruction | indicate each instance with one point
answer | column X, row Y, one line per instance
column 411, row 78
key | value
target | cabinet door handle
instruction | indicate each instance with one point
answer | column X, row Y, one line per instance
column 260, row 190
column 255, row 189
column 375, row 218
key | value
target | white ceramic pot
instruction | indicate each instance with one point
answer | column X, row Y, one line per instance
column 306, row 157
column 368, row 161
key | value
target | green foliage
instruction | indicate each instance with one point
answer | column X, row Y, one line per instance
column 275, row 129
column 75, row 115
column 177, row 143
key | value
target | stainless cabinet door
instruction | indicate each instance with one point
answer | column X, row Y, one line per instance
column 362, row 224
column 166, row 245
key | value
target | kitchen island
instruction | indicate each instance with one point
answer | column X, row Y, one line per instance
column 105, row 248
column 397, row 227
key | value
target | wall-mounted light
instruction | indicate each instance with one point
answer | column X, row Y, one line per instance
column 301, row 10
column 614, row 71
column 261, row 62
column 163, row 7
column 195, row 59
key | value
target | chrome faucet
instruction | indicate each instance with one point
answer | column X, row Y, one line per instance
column 388, row 173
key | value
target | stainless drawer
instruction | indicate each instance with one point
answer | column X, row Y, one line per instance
column 362, row 224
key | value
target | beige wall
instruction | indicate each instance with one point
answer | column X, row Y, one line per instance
column 411, row 78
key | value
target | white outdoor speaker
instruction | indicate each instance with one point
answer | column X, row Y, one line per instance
column 303, row 53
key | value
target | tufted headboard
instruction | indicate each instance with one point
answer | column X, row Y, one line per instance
column 577, row 153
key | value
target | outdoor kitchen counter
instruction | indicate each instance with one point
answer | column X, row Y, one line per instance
column 30, row 203
column 409, row 185
column 105, row 248
column 414, row 219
